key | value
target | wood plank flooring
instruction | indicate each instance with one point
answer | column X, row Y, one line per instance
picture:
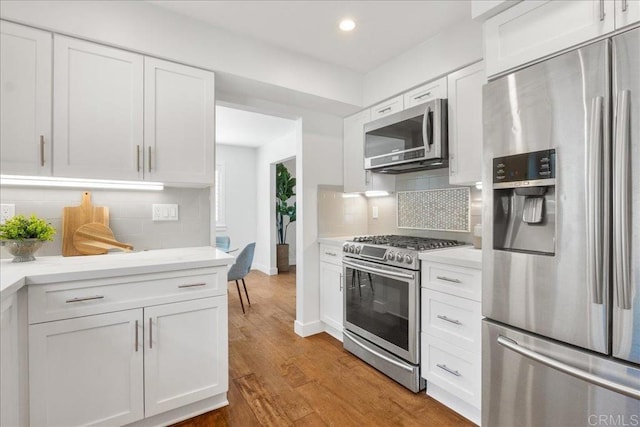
column 277, row 378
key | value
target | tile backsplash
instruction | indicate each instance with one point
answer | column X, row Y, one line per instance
column 441, row 210
column 129, row 212
column 340, row 216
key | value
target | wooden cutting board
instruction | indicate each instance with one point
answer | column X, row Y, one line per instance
column 77, row 216
column 95, row 238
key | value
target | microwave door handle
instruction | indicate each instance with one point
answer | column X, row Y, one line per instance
column 427, row 128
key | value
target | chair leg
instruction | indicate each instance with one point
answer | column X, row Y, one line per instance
column 245, row 291
column 373, row 291
column 240, row 296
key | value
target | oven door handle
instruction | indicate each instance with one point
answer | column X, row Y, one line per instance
column 380, row 355
column 380, row 271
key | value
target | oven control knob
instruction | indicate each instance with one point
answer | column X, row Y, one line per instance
column 390, row 256
column 358, row 249
column 399, row 257
column 345, row 247
column 352, row 248
column 408, row 259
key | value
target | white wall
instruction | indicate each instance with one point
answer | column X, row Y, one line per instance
column 448, row 51
column 240, row 193
column 291, row 231
column 267, row 156
column 142, row 27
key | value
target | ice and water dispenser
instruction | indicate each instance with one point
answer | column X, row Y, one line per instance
column 524, row 202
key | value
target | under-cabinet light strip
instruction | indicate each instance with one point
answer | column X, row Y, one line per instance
column 44, row 181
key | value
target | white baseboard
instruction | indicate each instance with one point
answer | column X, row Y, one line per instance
column 336, row 333
column 308, row 329
column 266, row 270
column 185, row 412
column 454, row 402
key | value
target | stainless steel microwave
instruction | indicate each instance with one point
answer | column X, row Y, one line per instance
column 409, row 140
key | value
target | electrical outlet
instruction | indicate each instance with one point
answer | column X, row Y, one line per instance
column 7, row 211
column 164, row 212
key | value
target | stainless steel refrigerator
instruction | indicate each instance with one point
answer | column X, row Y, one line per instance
column 561, row 267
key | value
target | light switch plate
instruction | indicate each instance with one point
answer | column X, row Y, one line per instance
column 7, row 211
column 374, row 212
column 164, row 212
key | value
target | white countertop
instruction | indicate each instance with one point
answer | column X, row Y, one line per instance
column 465, row 256
column 334, row 241
column 50, row 269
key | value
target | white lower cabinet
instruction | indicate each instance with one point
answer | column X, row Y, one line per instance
column 451, row 352
column 116, row 365
column 331, row 304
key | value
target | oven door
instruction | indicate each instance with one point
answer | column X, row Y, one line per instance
column 381, row 304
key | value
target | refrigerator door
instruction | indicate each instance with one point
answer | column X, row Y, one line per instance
column 519, row 390
column 562, row 104
column 626, row 196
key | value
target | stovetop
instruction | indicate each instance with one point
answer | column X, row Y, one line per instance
column 394, row 250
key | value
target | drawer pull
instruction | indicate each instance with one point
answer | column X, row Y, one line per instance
column 85, row 298
column 448, row 279
column 192, row 285
column 384, row 110
column 330, row 254
column 446, row 319
column 422, row 96
column 452, row 372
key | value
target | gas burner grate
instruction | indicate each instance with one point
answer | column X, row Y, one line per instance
column 408, row 242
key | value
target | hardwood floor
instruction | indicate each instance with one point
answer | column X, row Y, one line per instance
column 277, row 378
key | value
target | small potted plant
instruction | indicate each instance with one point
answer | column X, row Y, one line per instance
column 285, row 185
column 23, row 236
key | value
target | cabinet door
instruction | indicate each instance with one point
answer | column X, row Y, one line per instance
column 186, row 354
column 87, row 370
column 98, row 106
column 627, row 12
column 533, row 29
column 9, row 362
column 426, row 92
column 179, row 123
column 356, row 179
column 465, row 125
column 331, row 295
column 387, row 107
column 25, row 100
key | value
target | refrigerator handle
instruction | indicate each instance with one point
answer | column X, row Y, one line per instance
column 621, row 203
column 594, row 201
column 568, row 369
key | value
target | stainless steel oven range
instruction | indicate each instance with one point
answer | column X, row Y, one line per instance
column 382, row 303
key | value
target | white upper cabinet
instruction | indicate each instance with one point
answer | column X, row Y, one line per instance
column 426, row 92
column 178, row 123
column 465, row 124
column 533, row 29
column 627, row 12
column 98, row 110
column 387, row 107
column 25, row 100
column 356, row 179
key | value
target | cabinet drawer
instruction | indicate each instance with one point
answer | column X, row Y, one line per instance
column 426, row 92
column 451, row 279
column 455, row 370
column 331, row 254
column 387, row 107
column 65, row 300
column 453, row 319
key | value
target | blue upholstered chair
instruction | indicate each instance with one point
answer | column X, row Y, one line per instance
column 223, row 243
column 240, row 269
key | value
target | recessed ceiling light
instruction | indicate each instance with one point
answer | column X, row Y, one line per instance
column 347, row 25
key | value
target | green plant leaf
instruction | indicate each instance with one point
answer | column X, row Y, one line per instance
column 19, row 228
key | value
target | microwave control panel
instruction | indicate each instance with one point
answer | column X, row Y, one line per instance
column 532, row 166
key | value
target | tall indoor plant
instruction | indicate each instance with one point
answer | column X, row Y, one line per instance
column 285, row 185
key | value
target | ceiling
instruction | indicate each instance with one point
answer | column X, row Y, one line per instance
column 249, row 129
column 384, row 29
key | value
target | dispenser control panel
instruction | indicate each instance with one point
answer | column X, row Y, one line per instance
column 534, row 166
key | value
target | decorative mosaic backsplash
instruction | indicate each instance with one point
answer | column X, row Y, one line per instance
column 445, row 209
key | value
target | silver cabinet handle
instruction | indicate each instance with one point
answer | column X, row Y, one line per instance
column 594, row 201
column 446, row 319
column 192, row 285
column 384, row 110
column 150, row 332
column 341, row 284
column 568, row 369
column 138, row 158
column 85, row 298
column 451, row 371
column 621, row 203
column 330, row 254
column 448, row 279
column 625, row 5
column 602, row 10
column 136, row 336
column 41, row 150
column 422, row 96
column 149, row 159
